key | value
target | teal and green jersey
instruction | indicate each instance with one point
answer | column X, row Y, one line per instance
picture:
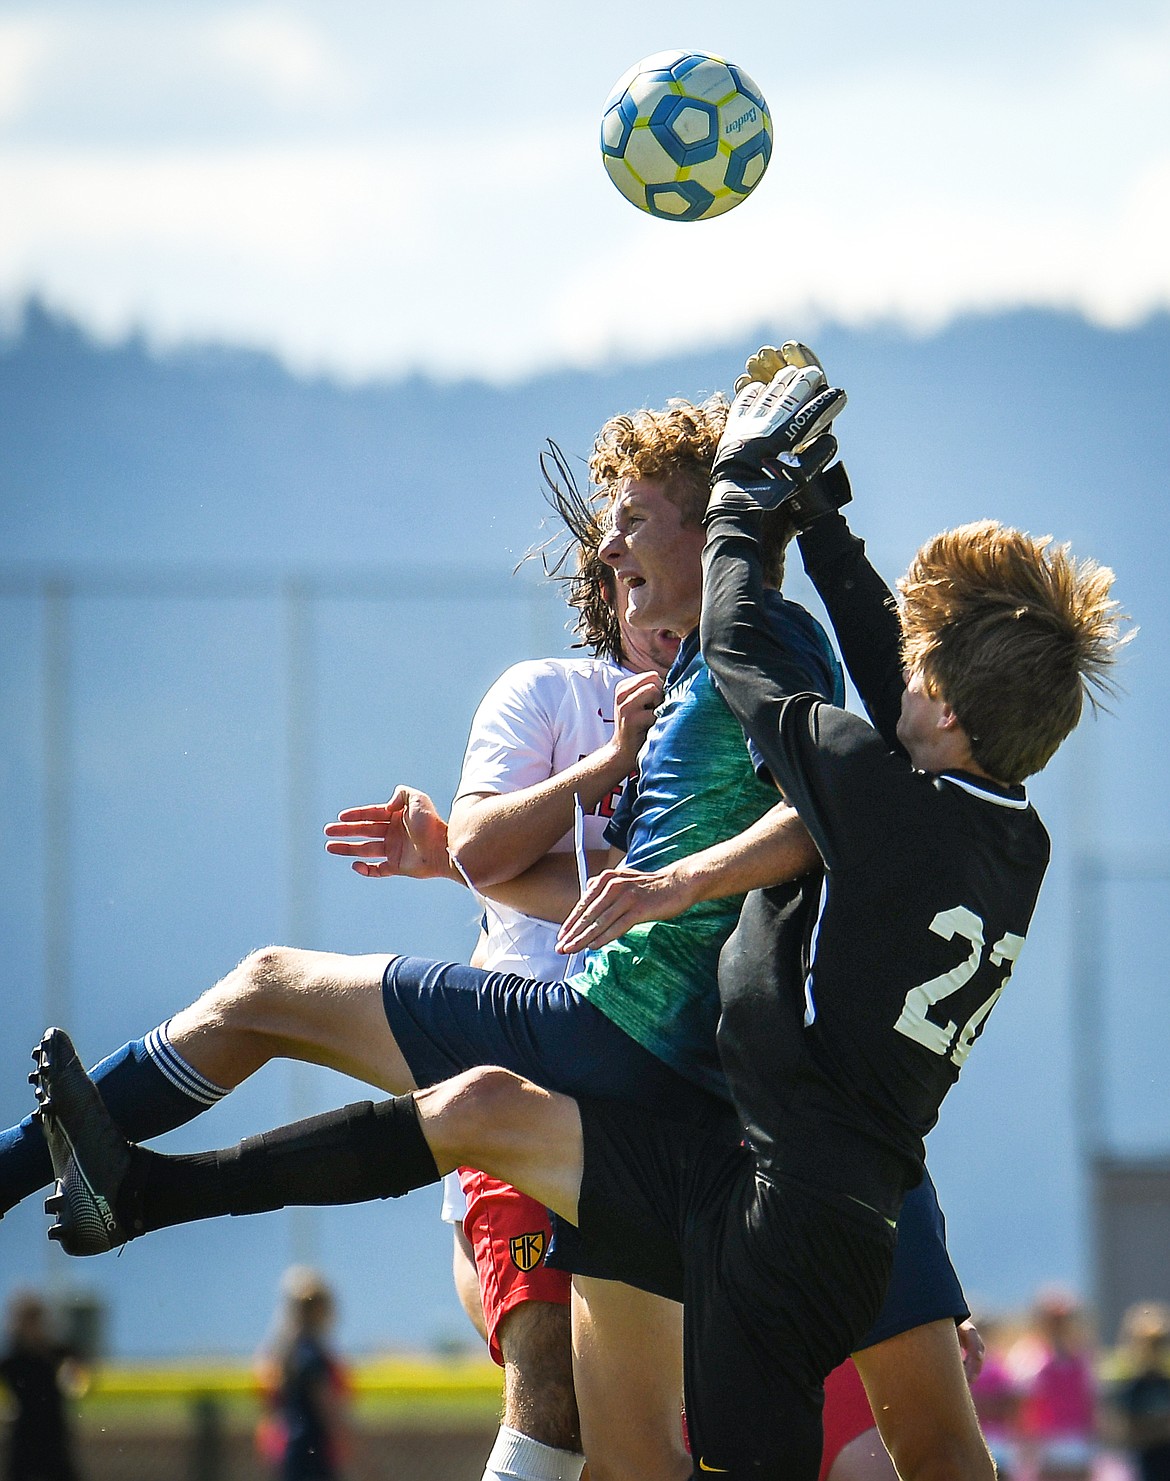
column 696, row 786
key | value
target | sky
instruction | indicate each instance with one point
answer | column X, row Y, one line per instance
column 369, row 188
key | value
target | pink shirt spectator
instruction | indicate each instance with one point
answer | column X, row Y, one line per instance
column 1059, row 1398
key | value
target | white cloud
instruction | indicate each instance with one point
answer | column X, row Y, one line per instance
column 1139, row 60
column 26, row 45
column 355, row 258
column 289, row 60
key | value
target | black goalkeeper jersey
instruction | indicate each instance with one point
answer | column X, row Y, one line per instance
column 930, row 883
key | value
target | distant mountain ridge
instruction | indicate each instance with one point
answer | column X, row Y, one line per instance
column 115, row 453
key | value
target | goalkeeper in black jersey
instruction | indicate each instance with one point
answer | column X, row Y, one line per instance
column 780, row 1249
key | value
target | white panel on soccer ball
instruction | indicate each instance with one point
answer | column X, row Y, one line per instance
column 621, row 175
column 711, row 174
column 754, row 168
column 710, row 80
column 645, row 90
column 613, row 128
column 723, row 203
column 658, row 61
column 692, row 125
column 668, row 204
column 647, row 158
column 623, row 82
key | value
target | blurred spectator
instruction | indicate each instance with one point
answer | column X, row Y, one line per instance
column 1139, row 1389
column 302, row 1434
column 997, row 1401
column 1053, row 1365
column 39, row 1374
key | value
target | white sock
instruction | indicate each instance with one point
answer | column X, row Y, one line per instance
column 515, row 1457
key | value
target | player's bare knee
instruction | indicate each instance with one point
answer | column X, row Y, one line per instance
column 489, row 1098
column 475, row 1115
column 254, row 997
column 266, row 985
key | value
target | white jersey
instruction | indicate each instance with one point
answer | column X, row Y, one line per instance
column 537, row 718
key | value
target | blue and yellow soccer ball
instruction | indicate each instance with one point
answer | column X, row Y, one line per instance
column 685, row 135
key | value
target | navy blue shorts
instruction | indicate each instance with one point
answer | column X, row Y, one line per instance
column 923, row 1285
column 447, row 1017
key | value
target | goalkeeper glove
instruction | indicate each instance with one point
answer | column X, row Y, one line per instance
column 775, row 444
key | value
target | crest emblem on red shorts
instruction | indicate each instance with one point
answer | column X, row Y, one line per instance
column 527, row 1250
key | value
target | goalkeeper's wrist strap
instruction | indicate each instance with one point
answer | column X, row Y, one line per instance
column 828, row 491
column 748, row 495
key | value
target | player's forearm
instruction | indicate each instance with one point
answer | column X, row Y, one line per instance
column 496, row 838
column 864, row 617
column 548, row 889
column 755, row 671
column 772, row 851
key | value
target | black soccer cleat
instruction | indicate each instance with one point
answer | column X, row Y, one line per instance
column 90, row 1155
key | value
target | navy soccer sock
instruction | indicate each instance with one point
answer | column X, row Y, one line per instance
column 147, row 1087
column 360, row 1152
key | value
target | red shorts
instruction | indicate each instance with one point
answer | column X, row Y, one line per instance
column 509, row 1234
column 847, row 1413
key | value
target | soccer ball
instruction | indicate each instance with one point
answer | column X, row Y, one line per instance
column 685, row 136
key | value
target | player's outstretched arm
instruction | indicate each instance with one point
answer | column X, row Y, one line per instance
column 774, row 849
column 406, row 836
column 773, row 456
column 762, row 464
column 496, row 836
column 864, row 615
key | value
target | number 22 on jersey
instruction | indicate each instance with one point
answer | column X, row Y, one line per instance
column 948, row 1039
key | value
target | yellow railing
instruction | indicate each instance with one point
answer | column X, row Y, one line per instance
column 384, row 1377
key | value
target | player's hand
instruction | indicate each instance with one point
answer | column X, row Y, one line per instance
column 617, row 899
column 973, row 1348
column 768, row 361
column 406, row 836
column 777, row 441
column 776, row 423
column 634, row 702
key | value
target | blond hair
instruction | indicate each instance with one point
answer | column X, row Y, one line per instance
column 1014, row 634
column 676, row 446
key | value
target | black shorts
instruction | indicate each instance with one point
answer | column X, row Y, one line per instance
column 923, row 1285
column 779, row 1281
